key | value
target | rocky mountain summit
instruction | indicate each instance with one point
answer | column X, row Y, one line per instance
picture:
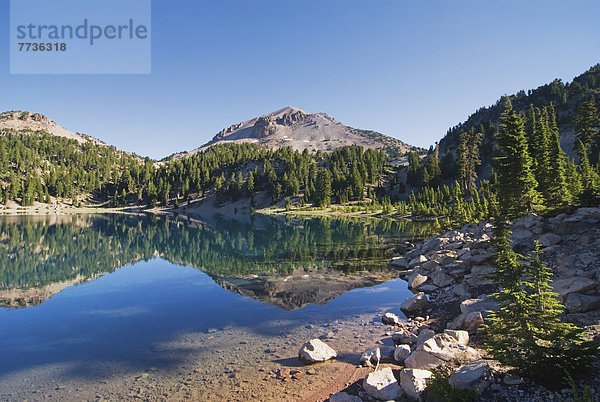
column 19, row 121
column 300, row 130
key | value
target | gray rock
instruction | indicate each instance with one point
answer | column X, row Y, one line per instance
column 549, row 239
column 438, row 350
column 462, row 290
column 417, row 261
column 401, row 352
column 510, row 379
column 404, row 336
column 415, row 303
column 457, row 270
column 521, row 234
column 527, row 221
column 564, row 259
column 469, row 322
column 399, row 262
column 565, row 286
column 461, row 337
column 382, row 385
column 424, row 334
column 316, row 350
column 572, row 225
column 482, row 258
column 587, row 259
column 344, row 397
column 430, row 265
column 577, row 303
column 370, row 357
column 462, row 252
column 473, row 376
column 414, row 382
column 589, row 213
column 390, row 319
column 482, row 270
column 440, row 278
column 454, row 245
column 428, row 288
column 483, row 305
column 416, row 280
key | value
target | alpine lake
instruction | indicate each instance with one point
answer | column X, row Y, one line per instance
column 160, row 307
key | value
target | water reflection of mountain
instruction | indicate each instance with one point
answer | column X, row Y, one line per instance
column 264, row 259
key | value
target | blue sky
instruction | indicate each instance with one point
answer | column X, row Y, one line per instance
column 409, row 69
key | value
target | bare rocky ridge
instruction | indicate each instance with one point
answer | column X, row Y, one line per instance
column 300, row 130
column 19, row 121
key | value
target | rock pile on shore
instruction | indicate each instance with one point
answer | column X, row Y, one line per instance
column 449, row 274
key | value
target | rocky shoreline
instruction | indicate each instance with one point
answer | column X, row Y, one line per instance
column 449, row 275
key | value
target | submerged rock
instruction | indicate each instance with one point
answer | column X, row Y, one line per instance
column 316, row 350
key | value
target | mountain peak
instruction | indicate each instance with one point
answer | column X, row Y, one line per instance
column 286, row 110
column 296, row 128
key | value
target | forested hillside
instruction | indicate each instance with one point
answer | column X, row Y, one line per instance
column 457, row 180
column 38, row 166
column 565, row 97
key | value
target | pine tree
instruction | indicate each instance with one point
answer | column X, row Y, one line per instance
column 356, row 183
column 516, row 184
column 590, row 182
column 322, row 192
column 468, row 159
column 250, row 183
column 558, row 193
column 525, row 331
column 573, row 179
column 538, row 149
column 414, row 164
column 433, row 169
column 587, row 125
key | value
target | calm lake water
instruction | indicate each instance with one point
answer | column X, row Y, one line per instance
column 79, row 291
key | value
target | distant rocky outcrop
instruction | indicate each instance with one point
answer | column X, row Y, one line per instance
column 301, row 130
column 20, row 121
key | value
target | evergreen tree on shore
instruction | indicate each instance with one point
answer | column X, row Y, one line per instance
column 525, row 332
column 516, row 184
column 587, row 126
column 558, row 193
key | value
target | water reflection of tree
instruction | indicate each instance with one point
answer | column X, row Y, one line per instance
column 39, row 252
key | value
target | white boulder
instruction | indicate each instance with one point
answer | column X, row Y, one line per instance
column 382, row 385
column 316, row 350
